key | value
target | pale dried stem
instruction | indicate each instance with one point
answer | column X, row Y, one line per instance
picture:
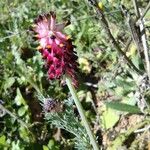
column 144, row 13
column 145, row 47
column 143, row 34
column 135, row 4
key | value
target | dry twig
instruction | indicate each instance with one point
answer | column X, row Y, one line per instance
column 109, row 34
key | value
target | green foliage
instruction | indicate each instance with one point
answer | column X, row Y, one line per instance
column 109, row 118
column 105, row 79
column 3, row 141
column 68, row 121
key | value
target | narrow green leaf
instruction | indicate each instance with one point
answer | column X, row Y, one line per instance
column 123, row 107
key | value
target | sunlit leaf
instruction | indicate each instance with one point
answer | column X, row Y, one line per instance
column 9, row 82
column 19, row 100
column 123, row 107
column 109, row 118
column 45, row 147
column 3, row 140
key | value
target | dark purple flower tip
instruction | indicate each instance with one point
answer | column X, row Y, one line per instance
column 52, row 106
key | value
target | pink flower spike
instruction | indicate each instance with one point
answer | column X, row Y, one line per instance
column 57, row 41
column 50, row 41
column 55, row 60
column 51, row 76
column 52, row 68
column 43, row 42
column 58, row 72
column 45, row 53
column 49, row 58
column 55, row 47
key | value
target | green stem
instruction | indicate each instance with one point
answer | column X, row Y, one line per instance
column 81, row 112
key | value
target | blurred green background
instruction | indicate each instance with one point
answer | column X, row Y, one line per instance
column 103, row 74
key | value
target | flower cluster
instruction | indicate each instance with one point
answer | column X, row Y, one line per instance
column 52, row 106
column 55, row 47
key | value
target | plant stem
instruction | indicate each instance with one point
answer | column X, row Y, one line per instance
column 144, row 13
column 135, row 4
column 145, row 47
column 82, row 113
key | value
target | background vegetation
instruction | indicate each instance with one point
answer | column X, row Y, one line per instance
column 114, row 96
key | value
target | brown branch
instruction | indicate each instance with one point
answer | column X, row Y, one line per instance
column 134, row 30
column 109, row 34
column 119, row 63
column 135, row 4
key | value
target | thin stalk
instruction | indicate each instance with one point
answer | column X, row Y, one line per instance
column 105, row 25
column 145, row 47
column 135, row 4
column 82, row 113
column 24, row 124
column 144, row 13
column 13, row 116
